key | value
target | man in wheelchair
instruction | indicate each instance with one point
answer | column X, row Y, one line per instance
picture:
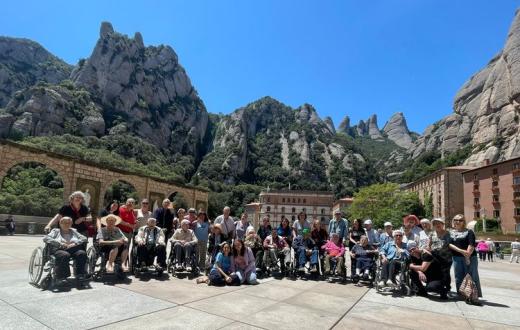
column 426, row 268
column 65, row 243
column 112, row 242
column 275, row 247
column 305, row 247
column 392, row 253
column 364, row 256
column 334, row 251
column 150, row 244
column 184, row 246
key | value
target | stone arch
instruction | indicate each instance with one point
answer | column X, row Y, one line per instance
column 55, row 165
column 114, row 181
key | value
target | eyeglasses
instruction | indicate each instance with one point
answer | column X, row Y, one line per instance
column 396, row 235
column 458, row 220
column 144, row 203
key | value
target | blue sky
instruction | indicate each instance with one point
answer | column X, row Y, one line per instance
column 344, row 57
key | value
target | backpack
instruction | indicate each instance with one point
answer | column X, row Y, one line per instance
column 469, row 290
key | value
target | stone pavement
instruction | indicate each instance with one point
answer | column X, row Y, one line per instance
column 274, row 304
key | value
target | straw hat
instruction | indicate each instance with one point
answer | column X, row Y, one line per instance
column 104, row 219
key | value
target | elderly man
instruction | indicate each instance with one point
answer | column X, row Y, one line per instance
column 305, row 247
column 339, row 226
column 112, row 241
column 164, row 216
column 227, row 223
column 390, row 253
column 265, row 229
column 386, row 236
column 276, row 246
column 150, row 243
column 371, row 234
column 515, row 251
column 75, row 210
column 67, row 243
column 184, row 243
column 426, row 269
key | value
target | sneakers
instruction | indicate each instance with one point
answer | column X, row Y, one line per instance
column 314, row 269
column 178, row 267
column 382, row 284
column 301, row 269
column 188, row 269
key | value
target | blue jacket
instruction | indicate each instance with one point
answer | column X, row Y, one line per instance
column 340, row 227
column 390, row 250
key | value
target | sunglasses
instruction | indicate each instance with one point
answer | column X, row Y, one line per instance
column 144, row 203
column 396, row 235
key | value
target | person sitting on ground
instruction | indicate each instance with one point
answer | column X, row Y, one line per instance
column 318, row 234
column 364, row 255
column 243, row 263
column 113, row 242
column 184, row 243
column 150, row 243
column 66, row 243
column 241, row 226
column 392, row 252
column 285, row 231
column 334, row 251
column 305, row 247
column 300, row 224
column 339, row 226
column 215, row 240
column 253, row 242
column 371, row 234
column 425, row 268
column 386, row 236
column 275, row 245
column 424, row 235
column 482, row 249
column 440, row 249
column 76, row 210
column 221, row 274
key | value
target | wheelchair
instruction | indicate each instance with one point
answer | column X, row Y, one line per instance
column 279, row 266
column 402, row 276
column 96, row 263
column 193, row 263
column 372, row 274
column 137, row 270
column 42, row 269
column 294, row 272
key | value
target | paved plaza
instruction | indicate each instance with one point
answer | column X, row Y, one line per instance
column 173, row 303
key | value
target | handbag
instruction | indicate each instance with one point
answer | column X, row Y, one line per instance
column 469, row 290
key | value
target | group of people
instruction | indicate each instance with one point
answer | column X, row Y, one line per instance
column 486, row 249
column 237, row 251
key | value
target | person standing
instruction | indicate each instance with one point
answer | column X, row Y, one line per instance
column 227, row 224
column 371, row 233
column 491, row 249
column 202, row 233
column 515, row 251
column 10, row 225
column 339, row 226
column 164, row 216
column 76, row 210
column 128, row 218
column 143, row 214
column 241, row 226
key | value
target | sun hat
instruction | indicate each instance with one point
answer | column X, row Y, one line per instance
column 424, row 220
column 104, row 219
column 437, row 220
column 388, row 224
column 367, row 222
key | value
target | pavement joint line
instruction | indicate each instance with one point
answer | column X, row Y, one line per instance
column 133, row 317
column 225, row 317
column 348, row 310
column 31, row 317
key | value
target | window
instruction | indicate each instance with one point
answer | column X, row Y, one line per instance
column 293, row 210
column 476, row 215
column 494, row 183
column 516, row 195
column 476, row 201
column 268, row 199
column 304, row 201
column 299, row 201
column 496, row 213
column 268, row 209
column 495, row 198
column 283, row 200
column 303, row 209
column 516, row 180
column 475, row 177
column 322, row 211
column 516, row 166
column 495, row 171
column 475, row 187
column 283, row 209
column 517, row 211
column 294, row 200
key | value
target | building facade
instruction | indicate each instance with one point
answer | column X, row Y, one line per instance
column 288, row 203
column 342, row 204
column 493, row 192
column 445, row 189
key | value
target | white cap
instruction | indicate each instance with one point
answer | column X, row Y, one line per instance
column 388, row 224
column 367, row 222
column 425, row 220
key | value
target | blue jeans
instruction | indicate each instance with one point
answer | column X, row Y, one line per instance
column 302, row 257
column 461, row 269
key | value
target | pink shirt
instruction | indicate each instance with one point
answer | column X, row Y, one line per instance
column 482, row 247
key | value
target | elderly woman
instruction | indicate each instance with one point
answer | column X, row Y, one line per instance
column 285, row 231
column 424, row 234
column 364, row 255
column 241, row 226
column 128, row 218
column 465, row 259
column 334, row 251
column 254, row 242
column 202, row 233
column 75, row 210
column 390, row 253
column 386, row 235
column 184, row 243
column 275, row 246
column 215, row 240
column 67, row 243
column 243, row 263
column 113, row 242
column 150, row 243
column 112, row 208
column 220, row 273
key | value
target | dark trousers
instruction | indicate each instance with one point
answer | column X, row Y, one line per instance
column 146, row 253
column 482, row 255
column 215, row 278
column 490, row 255
column 62, row 261
column 184, row 252
column 436, row 285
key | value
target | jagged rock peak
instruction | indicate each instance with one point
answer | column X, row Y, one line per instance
column 330, row 124
column 397, row 130
column 373, row 129
column 344, row 126
column 106, row 29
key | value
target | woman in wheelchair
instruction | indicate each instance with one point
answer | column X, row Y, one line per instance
column 150, row 243
column 391, row 253
column 184, row 247
column 113, row 242
column 66, row 243
column 334, row 251
column 364, row 256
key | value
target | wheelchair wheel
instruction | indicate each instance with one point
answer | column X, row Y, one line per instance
column 36, row 265
column 92, row 262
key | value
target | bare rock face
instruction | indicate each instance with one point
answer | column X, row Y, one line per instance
column 373, row 129
column 344, row 126
column 397, row 130
column 144, row 85
column 330, row 124
column 23, row 63
column 486, row 110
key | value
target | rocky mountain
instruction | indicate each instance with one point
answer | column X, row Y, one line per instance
column 396, row 130
column 23, row 63
column 486, row 111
